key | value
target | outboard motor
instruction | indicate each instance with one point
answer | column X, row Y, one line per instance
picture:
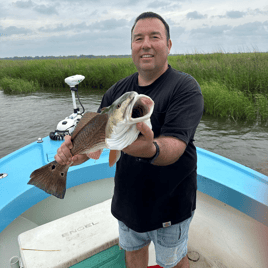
column 67, row 125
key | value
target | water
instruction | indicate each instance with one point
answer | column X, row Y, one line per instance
column 24, row 118
column 245, row 143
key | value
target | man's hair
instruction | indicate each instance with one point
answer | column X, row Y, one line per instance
column 147, row 15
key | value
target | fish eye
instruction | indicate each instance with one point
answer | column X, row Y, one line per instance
column 118, row 106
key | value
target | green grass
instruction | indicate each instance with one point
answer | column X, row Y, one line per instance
column 18, row 85
column 261, row 107
column 247, row 72
column 99, row 73
column 233, row 85
column 219, row 101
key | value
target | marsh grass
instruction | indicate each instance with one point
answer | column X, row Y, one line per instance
column 221, row 102
column 18, row 85
column 99, row 73
column 233, row 85
column 246, row 72
column 261, row 107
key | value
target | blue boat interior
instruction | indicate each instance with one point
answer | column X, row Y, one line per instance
column 219, row 177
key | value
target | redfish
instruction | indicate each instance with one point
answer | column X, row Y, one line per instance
column 114, row 128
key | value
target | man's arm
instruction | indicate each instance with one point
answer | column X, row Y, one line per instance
column 171, row 148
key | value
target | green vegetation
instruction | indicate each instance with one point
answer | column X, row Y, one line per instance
column 99, row 73
column 17, row 85
column 247, row 72
column 222, row 102
column 233, row 85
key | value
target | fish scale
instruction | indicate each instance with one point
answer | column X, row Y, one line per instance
column 81, row 143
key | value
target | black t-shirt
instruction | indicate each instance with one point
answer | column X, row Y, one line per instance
column 145, row 195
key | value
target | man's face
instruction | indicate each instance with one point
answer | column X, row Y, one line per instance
column 149, row 44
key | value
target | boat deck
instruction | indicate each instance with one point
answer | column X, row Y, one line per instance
column 220, row 236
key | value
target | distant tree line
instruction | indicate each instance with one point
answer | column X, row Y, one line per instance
column 102, row 56
column 65, row 57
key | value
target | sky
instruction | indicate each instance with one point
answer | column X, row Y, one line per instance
column 102, row 27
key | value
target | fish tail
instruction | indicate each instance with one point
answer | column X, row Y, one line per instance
column 50, row 178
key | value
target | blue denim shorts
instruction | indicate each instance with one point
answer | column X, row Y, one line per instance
column 170, row 242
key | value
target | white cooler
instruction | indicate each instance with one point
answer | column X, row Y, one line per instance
column 87, row 238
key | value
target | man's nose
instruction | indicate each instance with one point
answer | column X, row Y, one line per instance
column 146, row 43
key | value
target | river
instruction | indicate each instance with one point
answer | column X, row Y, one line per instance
column 24, row 118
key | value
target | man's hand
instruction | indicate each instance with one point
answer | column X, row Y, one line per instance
column 171, row 148
column 64, row 156
column 143, row 146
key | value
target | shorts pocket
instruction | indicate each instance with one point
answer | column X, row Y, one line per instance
column 123, row 227
column 169, row 237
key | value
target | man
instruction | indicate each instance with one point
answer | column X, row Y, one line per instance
column 155, row 181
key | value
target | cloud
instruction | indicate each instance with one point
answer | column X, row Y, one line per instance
column 109, row 24
column 165, row 5
column 195, row 16
column 251, row 29
column 68, row 27
column 257, row 11
column 95, row 43
column 23, row 4
column 3, row 12
column 11, row 30
column 60, row 28
column 130, row 2
column 235, row 14
column 43, row 9
column 47, row 10
column 176, row 31
column 212, row 31
column 99, row 38
column 158, row 4
column 227, row 37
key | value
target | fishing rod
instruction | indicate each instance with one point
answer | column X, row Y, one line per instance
column 67, row 125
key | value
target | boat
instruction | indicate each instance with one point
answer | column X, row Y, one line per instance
column 229, row 229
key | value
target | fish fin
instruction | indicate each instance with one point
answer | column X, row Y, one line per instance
column 95, row 155
column 114, row 157
column 83, row 121
column 50, row 178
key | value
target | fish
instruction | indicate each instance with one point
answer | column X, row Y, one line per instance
column 113, row 128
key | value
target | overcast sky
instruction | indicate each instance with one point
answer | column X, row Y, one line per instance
column 102, row 27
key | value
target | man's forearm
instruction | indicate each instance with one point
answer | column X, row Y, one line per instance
column 171, row 149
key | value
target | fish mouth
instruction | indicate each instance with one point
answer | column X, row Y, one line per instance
column 136, row 108
column 140, row 108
